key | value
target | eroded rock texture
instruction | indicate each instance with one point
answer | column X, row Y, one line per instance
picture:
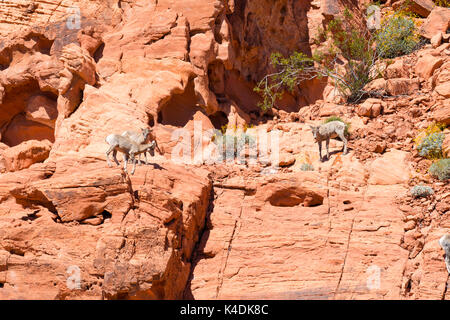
column 72, row 72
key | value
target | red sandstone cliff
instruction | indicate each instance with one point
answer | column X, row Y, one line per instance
column 202, row 231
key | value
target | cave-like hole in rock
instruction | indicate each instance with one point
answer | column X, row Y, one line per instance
column 216, row 73
column 98, row 54
column 43, row 44
column 27, row 113
column 180, row 108
column 106, row 215
column 151, row 120
column 291, row 197
column 219, row 119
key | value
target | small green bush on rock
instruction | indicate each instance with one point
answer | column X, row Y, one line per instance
column 441, row 169
column 431, row 145
column 421, row 191
column 397, row 37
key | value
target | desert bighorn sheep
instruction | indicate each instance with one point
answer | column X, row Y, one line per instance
column 444, row 241
column 139, row 138
column 329, row 130
column 127, row 147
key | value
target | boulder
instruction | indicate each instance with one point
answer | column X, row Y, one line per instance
column 442, row 112
column 78, row 61
column 25, row 154
column 420, row 7
column 436, row 40
column 371, row 108
column 396, row 70
column 427, row 64
column 42, row 109
column 438, row 21
column 331, row 109
column 390, row 168
column 402, row 86
column 443, row 89
column 286, row 160
column 446, row 144
column 377, row 85
column 90, row 39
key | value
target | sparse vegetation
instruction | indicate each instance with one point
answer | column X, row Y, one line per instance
column 421, row 191
column 230, row 146
column 441, row 169
column 397, row 36
column 429, row 141
column 306, row 167
column 442, row 3
column 431, row 146
column 350, row 58
column 350, row 61
column 235, row 128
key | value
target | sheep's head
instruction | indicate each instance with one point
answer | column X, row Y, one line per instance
column 151, row 148
column 315, row 132
column 145, row 132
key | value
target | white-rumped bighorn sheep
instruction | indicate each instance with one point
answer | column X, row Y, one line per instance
column 444, row 241
column 139, row 138
column 329, row 130
column 129, row 149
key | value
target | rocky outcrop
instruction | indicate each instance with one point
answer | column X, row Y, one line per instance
column 437, row 21
column 25, row 154
column 72, row 72
column 125, row 238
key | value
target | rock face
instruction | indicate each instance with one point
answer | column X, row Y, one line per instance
column 72, row 72
column 24, row 155
column 323, row 251
column 437, row 21
column 110, row 223
column 420, row 7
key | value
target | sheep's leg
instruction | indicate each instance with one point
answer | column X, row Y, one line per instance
column 115, row 157
column 328, row 151
column 342, row 136
column 111, row 148
column 125, row 161
column 139, row 160
column 320, row 150
column 133, row 159
column 159, row 150
column 145, row 156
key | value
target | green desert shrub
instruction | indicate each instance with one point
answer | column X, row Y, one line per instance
column 429, row 141
column 347, row 40
column 397, row 36
column 441, row 169
column 421, row 191
column 431, row 146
